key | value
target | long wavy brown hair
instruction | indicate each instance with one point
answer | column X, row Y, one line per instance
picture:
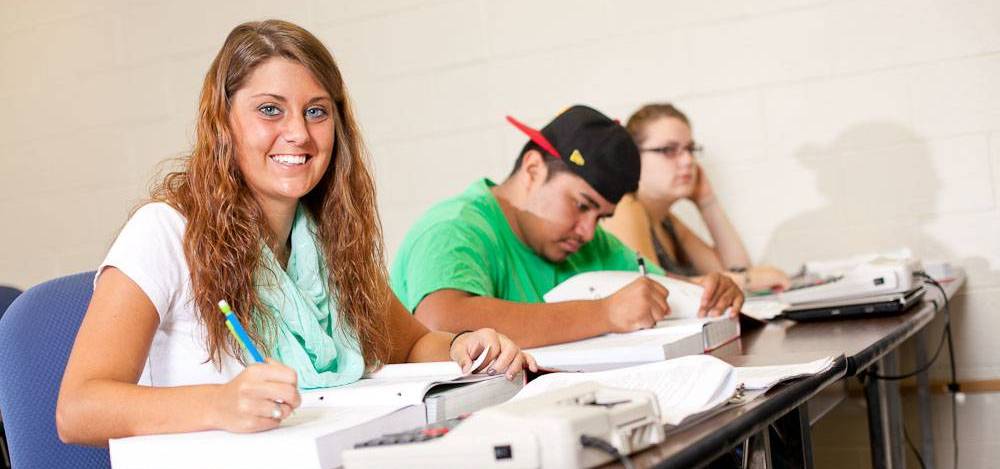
column 225, row 224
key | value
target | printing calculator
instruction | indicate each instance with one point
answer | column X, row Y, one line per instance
column 543, row 431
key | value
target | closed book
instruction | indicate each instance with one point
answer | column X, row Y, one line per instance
column 649, row 345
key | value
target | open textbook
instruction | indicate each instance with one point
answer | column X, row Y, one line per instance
column 686, row 387
column 684, row 298
column 329, row 421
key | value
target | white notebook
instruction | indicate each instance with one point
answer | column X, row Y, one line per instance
column 329, row 421
column 312, row 438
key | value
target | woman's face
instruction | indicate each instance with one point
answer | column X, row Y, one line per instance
column 669, row 170
column 283, row 127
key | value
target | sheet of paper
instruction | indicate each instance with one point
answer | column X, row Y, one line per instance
column 397, row 384
column 763, row 310
column 478, row 362
column 307, row 439
column 766, row 377
column 684, row 386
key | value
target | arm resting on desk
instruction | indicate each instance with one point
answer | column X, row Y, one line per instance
column 639, row 305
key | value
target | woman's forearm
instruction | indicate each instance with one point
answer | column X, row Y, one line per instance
column 101, row 409
column 728, row 244
column 433, row 346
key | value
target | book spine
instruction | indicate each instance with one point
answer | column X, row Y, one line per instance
column 719, row 333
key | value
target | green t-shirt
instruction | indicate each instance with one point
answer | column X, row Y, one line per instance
column 465, row 243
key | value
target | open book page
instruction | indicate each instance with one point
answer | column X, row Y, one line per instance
column 683, row 386
column 684, row 297
column 766, row 377
column 397, row 384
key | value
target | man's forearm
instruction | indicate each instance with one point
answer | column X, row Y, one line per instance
column 527, row 324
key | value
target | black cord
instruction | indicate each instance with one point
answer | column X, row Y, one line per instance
column 953, row 387
column 600, row 444
column 913, row 448
column 945, row 336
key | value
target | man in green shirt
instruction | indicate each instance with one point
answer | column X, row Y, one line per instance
column 486, row 257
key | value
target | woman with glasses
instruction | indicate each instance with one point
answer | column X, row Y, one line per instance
column 670, row 173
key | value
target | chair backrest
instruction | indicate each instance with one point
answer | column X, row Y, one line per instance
column 7, row 295
column 36, row 335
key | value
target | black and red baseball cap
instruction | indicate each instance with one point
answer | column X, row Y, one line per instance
column 593, row 146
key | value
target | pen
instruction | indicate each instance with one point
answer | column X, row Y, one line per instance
column 641, row 262
column 237, row 329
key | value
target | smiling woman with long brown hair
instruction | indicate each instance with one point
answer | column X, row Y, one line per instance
column 273, row 211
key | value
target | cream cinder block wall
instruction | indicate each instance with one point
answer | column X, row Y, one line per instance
column 831, row 127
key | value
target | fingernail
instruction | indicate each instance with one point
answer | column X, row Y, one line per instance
column 490, row 371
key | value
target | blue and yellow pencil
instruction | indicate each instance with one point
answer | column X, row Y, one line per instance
column 237, row 329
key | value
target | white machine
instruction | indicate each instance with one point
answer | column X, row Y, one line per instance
column 544, row 431
column 876, row 277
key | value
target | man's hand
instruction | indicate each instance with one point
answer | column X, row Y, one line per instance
column 637, row 306
column 721, row 292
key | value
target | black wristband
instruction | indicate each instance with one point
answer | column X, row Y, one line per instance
column 453, row 339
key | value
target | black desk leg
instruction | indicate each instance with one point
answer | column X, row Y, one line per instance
column 885, row 416
column 791, row 440
column 757, row 451
column 876, row 422
column 924, row 403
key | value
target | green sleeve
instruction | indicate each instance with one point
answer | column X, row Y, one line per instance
column 446, row 256
column 618, row 256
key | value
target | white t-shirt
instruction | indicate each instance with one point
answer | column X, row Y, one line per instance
column 150, row 251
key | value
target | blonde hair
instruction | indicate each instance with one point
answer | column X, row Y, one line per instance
column 638, row 121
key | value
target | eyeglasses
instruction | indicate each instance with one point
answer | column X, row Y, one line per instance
column 673, row 151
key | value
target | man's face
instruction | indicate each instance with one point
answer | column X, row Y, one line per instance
column 560, row 215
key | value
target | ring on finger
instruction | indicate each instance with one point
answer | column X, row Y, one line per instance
column 276, row 411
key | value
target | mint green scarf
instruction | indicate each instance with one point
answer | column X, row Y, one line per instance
column 308, row 339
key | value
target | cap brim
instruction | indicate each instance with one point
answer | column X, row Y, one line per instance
column 535, row 136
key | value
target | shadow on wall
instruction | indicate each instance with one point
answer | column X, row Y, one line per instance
column 880, row 186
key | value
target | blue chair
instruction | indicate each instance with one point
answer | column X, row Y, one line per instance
column 7, row 295
column 36, row 335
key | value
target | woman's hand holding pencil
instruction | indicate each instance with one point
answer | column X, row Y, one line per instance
column 258, row 399
column 261, row 396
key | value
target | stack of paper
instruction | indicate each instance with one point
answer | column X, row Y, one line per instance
column 766, row 377
column 688, row 387
column 685, row 387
